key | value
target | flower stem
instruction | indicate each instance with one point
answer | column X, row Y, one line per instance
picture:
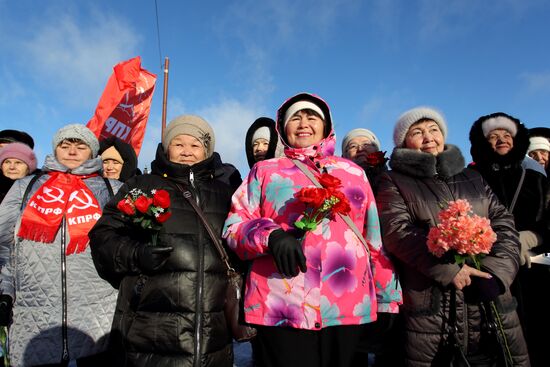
column 501, row 331
column 154, row 236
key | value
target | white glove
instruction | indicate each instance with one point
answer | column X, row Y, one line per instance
column 528, row 240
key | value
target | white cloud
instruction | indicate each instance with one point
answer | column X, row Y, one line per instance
column 74, row 57
column 230, row 120
column 536, row 82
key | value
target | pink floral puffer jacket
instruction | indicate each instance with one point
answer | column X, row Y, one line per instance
column 342, row 285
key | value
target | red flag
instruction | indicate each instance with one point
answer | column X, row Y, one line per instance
column 124, row 106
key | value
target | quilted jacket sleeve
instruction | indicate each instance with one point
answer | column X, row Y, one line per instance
column 9, row 214
column 404, row 237
column 245, row 230
column 111, row 245
column 388, row 289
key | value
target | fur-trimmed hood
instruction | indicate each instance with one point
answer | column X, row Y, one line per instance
column 485, row 157
column 419, row 164
column 275, row 148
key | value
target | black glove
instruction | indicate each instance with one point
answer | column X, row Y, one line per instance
column 5, row 309
column 482, row 290
column 151, row 258
column 287, row 252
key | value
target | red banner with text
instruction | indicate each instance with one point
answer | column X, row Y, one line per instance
column 124, row 106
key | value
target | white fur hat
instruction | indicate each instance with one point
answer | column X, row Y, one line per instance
column 538, row 143
column 409, row 118
column 499, row 122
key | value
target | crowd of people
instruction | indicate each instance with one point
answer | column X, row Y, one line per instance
column 101, row 265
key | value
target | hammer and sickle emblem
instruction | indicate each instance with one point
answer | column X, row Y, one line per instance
column 85, row 204
column 51, row 197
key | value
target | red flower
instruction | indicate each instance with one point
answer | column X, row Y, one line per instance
column 162, row 199
column 163, row 217
column 323, row 202
column 312, row 196
column 142, row 203
column 126, row 207
column 342, row 206
column 330, row 182
column 376, row 158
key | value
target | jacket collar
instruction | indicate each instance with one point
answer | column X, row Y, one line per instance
column 419, row 164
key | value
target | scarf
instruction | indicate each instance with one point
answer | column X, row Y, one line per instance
column 62, row 195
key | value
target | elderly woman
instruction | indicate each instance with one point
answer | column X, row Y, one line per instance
column 363, row 147
column 119, row 159
column 309, row 297
column 539, row 150
column 172, row 294
column 499, row 144
column 62, row 310
column 17, row 160
column 425, row 175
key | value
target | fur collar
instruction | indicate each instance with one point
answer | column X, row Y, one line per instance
column 418, row 164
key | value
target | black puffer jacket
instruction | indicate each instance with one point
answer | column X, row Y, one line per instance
column 409, row 199
column 177, row 318
column 503, row 173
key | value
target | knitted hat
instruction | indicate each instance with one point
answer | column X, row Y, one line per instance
column 112, row 153
column 499, row 122
column 190, row 125
column 12, row 136
column 302, row 105
column 538, row 143
column 261, row 133
column 19, row 151
column 77, row 131
column 409, row 118
column 359, row 132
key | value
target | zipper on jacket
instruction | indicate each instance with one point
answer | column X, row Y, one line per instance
column 65, row 355
column 198, row 295
column 192, row 178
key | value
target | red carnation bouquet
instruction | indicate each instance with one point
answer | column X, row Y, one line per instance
column 148, row 212
column 321, row 202
column 467, row 236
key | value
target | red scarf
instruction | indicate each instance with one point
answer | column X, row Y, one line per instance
column 64, row 194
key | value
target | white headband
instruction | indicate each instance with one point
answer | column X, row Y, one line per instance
column 302, row 105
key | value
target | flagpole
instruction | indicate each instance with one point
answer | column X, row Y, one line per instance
column 165, row 94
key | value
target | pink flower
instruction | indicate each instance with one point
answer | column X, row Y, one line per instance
column 469, row 235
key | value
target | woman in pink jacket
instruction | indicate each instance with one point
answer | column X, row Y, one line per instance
column 309, row 294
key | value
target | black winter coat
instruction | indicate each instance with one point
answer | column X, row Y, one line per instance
column 175, row 316
column 409, row 199
column 503, row 173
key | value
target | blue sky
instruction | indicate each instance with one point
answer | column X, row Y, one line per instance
column 233, row 61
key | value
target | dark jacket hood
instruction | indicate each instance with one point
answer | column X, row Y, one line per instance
column 419, row 164
column 130, row 166
column 273, row 139
column 483, row 155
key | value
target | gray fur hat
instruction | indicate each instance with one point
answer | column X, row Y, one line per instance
column 190, row 125
column 409, row 118
column 77, row 131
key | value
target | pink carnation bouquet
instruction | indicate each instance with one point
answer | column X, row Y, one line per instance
column 467, row 234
